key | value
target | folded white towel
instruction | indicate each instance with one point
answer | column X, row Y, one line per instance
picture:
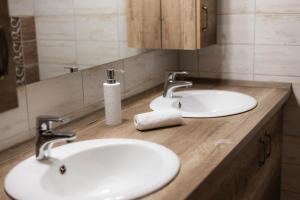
column 157, row 119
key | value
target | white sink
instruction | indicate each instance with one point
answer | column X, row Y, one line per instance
column 96, row 169
column 206, row 103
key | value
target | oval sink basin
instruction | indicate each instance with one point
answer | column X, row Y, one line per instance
column 206, row 103
column 93, row 170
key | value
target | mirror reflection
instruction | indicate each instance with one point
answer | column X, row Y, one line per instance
column 51, row 38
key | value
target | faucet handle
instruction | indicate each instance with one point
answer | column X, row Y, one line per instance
column 171, row 75
column 44, row 123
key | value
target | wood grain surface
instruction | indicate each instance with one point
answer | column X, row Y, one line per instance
column 198, row 142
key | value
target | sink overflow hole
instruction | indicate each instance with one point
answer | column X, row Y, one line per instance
column 63, row 170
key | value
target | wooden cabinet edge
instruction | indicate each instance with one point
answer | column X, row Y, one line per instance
column 152, row 36
column 273, row 164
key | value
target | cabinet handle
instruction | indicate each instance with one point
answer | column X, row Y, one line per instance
column 269, row 137
column 263, row 142
column 205, row 9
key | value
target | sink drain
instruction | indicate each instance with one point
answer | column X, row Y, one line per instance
column 63, row 170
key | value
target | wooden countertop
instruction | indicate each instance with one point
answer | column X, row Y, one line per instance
column 202, row 144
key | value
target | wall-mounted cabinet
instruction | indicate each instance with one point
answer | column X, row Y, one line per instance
column 171, row 24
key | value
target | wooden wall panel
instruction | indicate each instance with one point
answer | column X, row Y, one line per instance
column 144, row 23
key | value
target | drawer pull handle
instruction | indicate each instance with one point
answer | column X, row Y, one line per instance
column 263, row 161
column 205, row 9
column 269, row 137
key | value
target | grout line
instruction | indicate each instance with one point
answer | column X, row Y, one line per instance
column 27, row 107
column 254, row 43
column 292, row 76
column 276, row 13
column 118, row 29
column 82, row 89
column 75, row 35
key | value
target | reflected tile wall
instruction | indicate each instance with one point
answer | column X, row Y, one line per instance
column 77, row 94
column 24, row 47
column 84, row 34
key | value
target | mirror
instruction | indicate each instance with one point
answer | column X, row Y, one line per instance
column 55, row 37
column 8, row 93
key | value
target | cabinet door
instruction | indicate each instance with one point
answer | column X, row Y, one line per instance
column 144, row 23
column 252, row 173
column 179, row 24
column 206, row 23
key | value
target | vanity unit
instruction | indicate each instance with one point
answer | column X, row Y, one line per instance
column 233, row 157
column 171, row 24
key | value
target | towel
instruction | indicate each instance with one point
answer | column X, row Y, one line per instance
column 157, row 119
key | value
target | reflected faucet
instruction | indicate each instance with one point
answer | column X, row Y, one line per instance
column 46, row 136
column 171, row 84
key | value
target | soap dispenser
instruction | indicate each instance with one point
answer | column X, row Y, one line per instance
column 112, row 99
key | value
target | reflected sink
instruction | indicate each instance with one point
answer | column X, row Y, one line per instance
column 206, row 103
column 93, row 170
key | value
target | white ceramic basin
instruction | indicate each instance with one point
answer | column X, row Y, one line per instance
column 206, row 103
column 97, row 169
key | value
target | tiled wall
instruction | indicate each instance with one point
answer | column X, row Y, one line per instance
column 77, row 33
column 24, row 44
column 24, row 47
column 78, row 93
column 259, row 40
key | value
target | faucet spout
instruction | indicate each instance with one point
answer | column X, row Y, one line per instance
column 171, row 84
column 47, row 138
column 176, row 85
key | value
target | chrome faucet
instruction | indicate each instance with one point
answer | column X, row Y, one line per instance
column 171, row 84
column 46, row 136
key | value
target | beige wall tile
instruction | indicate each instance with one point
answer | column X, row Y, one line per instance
column 230, row 76
column 227, row 58
column 55, row 27
column 163, row 61
column 93, row 27
column 278, row 6
column 277, row 60
column 122, row 27
column 14, row 123
column 126, row 52
column 56, row 52
column 121, row 6
column 138, row 73
column 53, row 70
column 237, row 29
column 236, row 6
column 21, row 7
column 188, row 61
column 277, row 29
column 58, row 96
column 94, row 78
column 53, row 7
column 95, row 7
column 95, row 53
column 283, row 79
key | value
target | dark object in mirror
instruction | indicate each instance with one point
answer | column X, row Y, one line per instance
column 8, row 90
column 3, row 53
